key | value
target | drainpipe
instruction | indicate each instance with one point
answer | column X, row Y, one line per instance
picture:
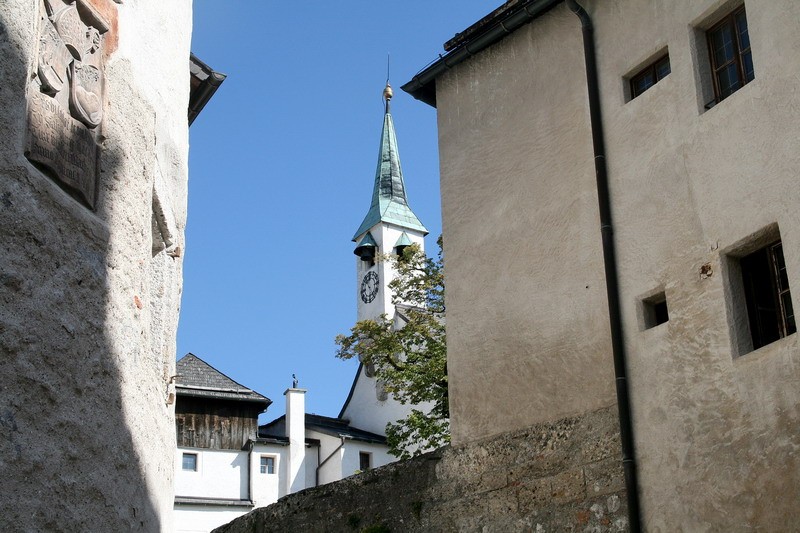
column 250, row 447
column 610, row 263
column 320, row 465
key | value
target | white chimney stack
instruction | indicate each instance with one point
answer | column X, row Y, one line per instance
column 296, row 433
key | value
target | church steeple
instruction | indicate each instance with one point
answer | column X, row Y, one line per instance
column 389, row 228
column 389, row 202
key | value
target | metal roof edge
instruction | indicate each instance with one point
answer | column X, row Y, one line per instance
column 349, row 436
column 352, row 390
column 209, row 80
column 423, row 85
column 375, row 217
column 224, row 396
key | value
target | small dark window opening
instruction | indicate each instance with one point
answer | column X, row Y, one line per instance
column 649, row 76
column 364, row 461
column 767, row 297
column 655, row 311
column 731, row 59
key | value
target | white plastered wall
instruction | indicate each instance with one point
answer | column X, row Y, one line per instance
column 267, row 488
column 220, row 474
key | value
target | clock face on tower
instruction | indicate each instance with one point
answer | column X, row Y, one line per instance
column 369, row 287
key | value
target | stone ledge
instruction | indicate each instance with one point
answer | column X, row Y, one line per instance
column 224, row 502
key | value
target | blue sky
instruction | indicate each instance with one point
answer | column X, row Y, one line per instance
column 282, row 163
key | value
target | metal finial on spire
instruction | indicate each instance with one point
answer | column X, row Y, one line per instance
column 387, row 95
column 387, row 91
column 294, row 381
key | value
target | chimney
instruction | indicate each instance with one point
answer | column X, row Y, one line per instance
column 296, row 433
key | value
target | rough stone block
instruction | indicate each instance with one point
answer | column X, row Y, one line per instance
column 604, row 477
column 500, row 502
column 568, row 486
column 534, row 494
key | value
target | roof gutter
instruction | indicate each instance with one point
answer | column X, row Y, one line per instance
column 423, row 85
column 208, row 85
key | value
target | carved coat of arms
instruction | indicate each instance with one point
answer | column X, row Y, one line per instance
column 65, row 97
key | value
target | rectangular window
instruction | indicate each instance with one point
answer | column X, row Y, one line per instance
column 766, row 292
column 655, row 310
column 189, row 462
column 364, row 461
column 729, row 51
column 649, row 76
column 267, row 464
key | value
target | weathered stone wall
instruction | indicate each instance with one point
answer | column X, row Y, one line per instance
column 560, row 476
column 88, row 294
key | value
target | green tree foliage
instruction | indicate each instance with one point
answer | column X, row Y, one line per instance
column 410, row 360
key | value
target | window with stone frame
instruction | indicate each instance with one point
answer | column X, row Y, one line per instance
column 267, row 464
column 730, row 55
column 189, row 462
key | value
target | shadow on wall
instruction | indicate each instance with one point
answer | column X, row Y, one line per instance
column 73, row 341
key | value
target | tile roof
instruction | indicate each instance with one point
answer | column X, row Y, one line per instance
column 324, row 424
column 199, row 379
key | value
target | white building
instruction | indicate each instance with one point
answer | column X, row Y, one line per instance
column 225, row 465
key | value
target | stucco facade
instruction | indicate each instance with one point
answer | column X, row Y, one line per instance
column 93, row 160
column 694, row 189
column 529, row 317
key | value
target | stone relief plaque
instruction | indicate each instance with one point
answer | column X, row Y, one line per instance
column 65, row 96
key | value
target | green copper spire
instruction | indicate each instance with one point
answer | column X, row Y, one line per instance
column 389, row 203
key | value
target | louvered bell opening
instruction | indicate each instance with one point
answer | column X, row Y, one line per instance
column 367, row 248
column 366, row 252
column 402, row 243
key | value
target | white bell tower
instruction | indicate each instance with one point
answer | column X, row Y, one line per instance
column 388, row 227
